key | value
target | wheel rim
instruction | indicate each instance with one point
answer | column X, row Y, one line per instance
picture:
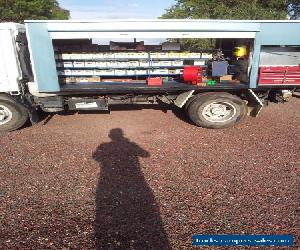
column 5, row 115
column 218, row 111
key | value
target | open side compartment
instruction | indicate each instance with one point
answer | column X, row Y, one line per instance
column 131, row 63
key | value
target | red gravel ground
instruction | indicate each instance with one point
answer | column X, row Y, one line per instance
column 145, row 179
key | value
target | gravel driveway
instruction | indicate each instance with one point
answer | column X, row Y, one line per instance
column 147, row 179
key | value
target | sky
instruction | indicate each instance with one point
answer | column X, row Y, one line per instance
column 115, row 9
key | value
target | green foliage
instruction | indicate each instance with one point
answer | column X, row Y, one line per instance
column 19, row 10
column 230, row 9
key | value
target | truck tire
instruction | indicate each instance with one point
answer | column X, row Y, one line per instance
column 12, row 114
column 216, row 110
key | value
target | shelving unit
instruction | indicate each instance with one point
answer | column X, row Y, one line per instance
column 72, row 67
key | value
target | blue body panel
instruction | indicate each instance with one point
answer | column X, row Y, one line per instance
column 42, row 57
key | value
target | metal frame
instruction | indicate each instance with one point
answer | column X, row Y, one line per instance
column 41, row 33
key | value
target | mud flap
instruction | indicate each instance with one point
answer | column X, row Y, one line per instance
column 255, row 104
column 183, row 98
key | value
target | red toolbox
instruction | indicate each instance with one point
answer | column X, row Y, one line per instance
column 154, row 81
column 192, row 74
column 277, row 75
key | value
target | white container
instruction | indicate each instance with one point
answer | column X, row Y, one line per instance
column 199, row 63
column 66, row 72
column 101, row 64
column 77, row 72
column 173, row 55
column 66, row 56
column 130, row 72
column 206, row 55
column 112, row 64
column 144, row 63
column 75, row 56
column 177, row 63
column 133, row 63
column 154, row 55
column 178, row 71
column 123, row 64
column 120, row 72
column 195, row 55
column 141, row 55
column 68, row 64
column 155, row 64
column 108, row 55
column 118, row 55
column 165, row 63
column 104, row 72
column 163, row 55
column 159, row 72
column 141, row 72
column 78, row 64
column 90, row 64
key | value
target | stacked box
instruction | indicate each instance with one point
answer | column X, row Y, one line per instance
column 199, row 63
column 120, row 72
column 194, row 55
column 101, row 64
column 104, row 72
column 165, row 63
column 143, row 63
column 133, row 64
column 113, row 64
column 206, row 55
column 141, row 72
column 75, row 56
column 87, row 79
column 68, row 64
column 78, row 64
column 123, row 64
column 178, row 71
column 158, row 72
column 130, row 72
column 172, row 71
column 66, row 72
column 67, row 80
column 90, row 64
column 66, row 56
column 177, row 63
column 108, row 55
column 155, row 63
column 141, row 55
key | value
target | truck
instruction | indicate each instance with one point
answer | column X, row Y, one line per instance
column 56, row 66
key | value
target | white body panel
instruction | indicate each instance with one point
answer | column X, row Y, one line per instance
column 10, row 72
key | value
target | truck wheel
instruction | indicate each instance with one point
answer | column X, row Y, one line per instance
column 216, row 110
column 12, row 115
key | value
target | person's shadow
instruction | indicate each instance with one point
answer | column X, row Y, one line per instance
column 127, row 216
